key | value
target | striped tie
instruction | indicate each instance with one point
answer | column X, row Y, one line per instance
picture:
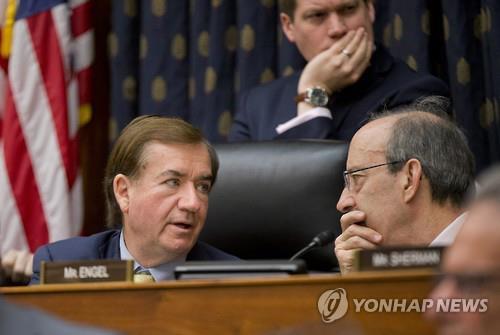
column 143, row 276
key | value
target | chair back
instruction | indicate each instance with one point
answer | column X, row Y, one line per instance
column 271, row 199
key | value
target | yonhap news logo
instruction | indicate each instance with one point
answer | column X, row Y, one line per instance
column 333, row 305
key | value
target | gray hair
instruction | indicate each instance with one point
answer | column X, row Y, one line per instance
column 424, row 131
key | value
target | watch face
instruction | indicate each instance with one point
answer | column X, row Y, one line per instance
column 317, row 97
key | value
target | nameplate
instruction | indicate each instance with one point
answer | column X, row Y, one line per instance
column 94, row 271
column 398, row 258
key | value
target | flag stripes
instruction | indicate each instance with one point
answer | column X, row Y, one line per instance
column 48, row 79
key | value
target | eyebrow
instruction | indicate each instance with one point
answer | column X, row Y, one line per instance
column 322, row 7
column 353, row 168
column 179, row 174
column 174, row 173
column 207, row 177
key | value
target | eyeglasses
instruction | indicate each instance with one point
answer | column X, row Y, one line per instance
column 347, row 173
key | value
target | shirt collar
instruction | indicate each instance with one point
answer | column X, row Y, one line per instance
column 160, row 272
column 447, row 236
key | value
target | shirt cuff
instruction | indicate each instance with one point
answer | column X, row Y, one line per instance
column 303, row 118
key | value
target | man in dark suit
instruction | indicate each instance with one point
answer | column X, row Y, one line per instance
column 157, row 182
column 347, row 77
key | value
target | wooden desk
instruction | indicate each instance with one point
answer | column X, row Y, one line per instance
column 233, row 306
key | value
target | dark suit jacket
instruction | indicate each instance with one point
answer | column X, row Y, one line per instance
column 21, row 320
column 106, row 245
column 386, row 83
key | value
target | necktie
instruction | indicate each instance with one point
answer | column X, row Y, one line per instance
column 143, row 276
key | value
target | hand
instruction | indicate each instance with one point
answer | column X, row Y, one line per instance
column 18, row 265
column 333, row 69
column 355, row 236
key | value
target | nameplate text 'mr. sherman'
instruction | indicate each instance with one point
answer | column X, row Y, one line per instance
column 397, row 258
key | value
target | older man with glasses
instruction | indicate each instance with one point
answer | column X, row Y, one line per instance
column 408, row 171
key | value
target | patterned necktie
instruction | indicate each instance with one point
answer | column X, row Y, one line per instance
column 143, row 276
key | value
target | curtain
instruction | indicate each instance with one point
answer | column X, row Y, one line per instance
column 192, row 58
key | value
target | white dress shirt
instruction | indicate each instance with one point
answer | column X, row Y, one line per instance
column 447, row 236
column 160, row 272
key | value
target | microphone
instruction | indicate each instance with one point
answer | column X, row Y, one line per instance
column 319, row 240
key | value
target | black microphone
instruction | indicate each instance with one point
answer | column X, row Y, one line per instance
column 319, row 240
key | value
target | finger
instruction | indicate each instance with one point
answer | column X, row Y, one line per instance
column 337, row 47
column 355, row 242
column 360, row 51
column 347, row 256
column 368, row 55
column 352, row 48
column 362, row 56
column 363, row 232
column 18, row 273
column 359, row 61
column 28, row 271
column 345, row 259
column 8, row 261
column 352, row 217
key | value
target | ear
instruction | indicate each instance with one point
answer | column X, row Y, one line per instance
column 287, row 27
column 121, row 189
column 412, row 179
column 371, row 10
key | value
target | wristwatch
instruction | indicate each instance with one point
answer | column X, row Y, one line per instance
column 315, row 96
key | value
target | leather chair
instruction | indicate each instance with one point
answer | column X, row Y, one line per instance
column 272, row 198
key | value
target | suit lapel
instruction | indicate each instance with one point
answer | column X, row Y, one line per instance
column 287, row 102
column 110, row 248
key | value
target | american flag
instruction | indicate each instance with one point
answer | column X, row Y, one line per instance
column 45, row 98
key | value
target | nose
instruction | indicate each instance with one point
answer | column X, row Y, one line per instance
column 346, row 201
column 336, row 26
column 189, row 199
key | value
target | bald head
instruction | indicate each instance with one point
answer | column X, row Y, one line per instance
column 371, row 140
column 420, row 132
column 380, row 131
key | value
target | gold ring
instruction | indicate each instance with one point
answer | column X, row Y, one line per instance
column 347, row 53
